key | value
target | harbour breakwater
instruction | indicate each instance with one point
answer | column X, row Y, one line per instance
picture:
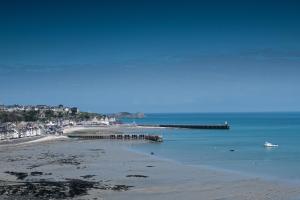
column 191, row 126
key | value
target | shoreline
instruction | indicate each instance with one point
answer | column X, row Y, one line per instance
column 229, row 176
column 143, row 176
column 49, row 138
column 129, row 149
column 268, row 178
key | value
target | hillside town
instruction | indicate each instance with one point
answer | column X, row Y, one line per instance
column 19, row 121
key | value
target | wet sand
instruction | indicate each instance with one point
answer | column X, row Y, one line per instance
column 102, row 169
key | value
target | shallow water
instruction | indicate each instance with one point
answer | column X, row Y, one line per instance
column 246, row 137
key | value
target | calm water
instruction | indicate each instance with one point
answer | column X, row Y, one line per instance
column 247, row 135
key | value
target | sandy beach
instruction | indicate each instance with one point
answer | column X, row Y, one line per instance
column 78, row 128
column 105, row 169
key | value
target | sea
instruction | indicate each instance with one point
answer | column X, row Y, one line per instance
column 239, row 149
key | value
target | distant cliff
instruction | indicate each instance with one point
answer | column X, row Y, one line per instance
column 129, row 115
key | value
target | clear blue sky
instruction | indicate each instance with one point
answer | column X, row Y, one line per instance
column 151, row 56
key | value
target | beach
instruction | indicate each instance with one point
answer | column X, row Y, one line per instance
column 103, row 169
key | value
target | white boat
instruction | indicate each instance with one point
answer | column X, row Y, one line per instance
column 268, row 144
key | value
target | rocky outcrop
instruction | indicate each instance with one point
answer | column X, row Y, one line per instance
column 129, row 115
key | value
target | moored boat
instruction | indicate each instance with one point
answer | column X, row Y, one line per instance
column 268, row 144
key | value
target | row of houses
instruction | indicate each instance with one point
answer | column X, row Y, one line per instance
column 57, row 127
column 105, row 120
column 13, row 131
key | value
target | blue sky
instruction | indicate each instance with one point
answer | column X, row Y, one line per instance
column 151, row 56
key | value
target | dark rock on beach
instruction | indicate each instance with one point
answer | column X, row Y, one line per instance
column 120, row 187
column 36, row 173
column 96, row 149
column 71, row 161
column 58, row 159
column 137, row 176
column 47, row 189
column 87, row 176
column 44, row 189
column 19, row 175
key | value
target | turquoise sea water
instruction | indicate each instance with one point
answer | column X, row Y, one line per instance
column 246, row 137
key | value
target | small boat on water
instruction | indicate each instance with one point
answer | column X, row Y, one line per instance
column 268, row 144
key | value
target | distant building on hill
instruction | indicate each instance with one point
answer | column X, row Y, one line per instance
column 74, row 110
